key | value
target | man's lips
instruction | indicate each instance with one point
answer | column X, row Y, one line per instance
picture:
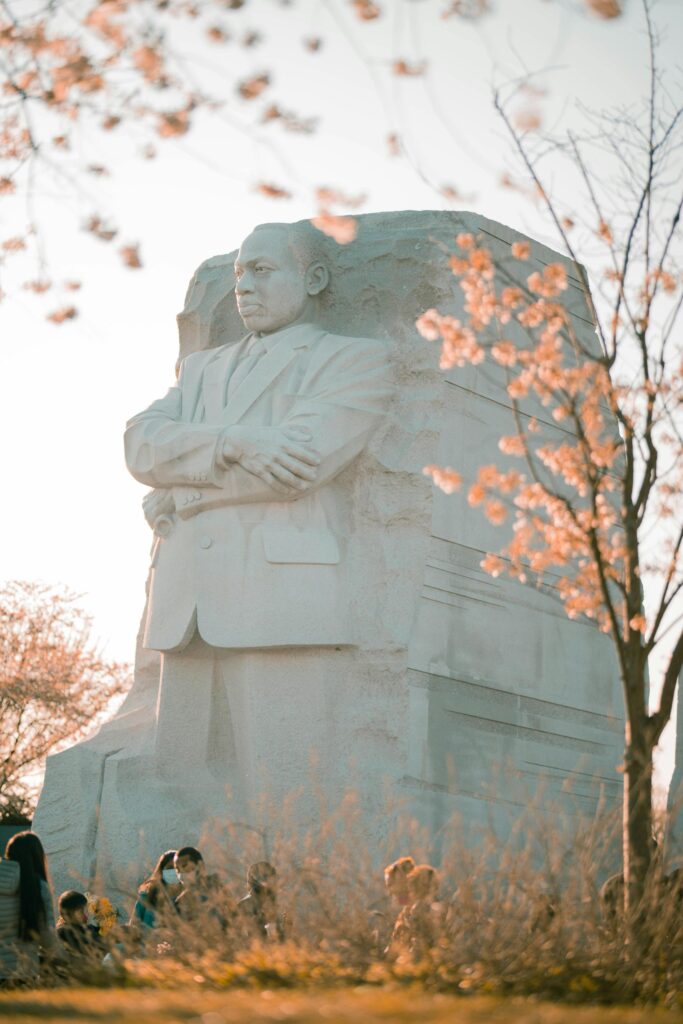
column 248, row 307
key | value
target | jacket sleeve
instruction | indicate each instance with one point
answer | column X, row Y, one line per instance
column 341, row 402
column 163, row 451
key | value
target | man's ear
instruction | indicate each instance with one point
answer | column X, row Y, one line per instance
column 317, row 278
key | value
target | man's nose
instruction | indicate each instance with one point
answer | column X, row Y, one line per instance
column 245, row 285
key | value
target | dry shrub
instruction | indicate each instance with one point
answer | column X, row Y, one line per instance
column 520, row 915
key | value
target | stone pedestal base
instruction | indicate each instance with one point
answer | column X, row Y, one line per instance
column 286, row 732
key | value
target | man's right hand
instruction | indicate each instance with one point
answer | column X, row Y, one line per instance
column 282, row 457
column 158, row 502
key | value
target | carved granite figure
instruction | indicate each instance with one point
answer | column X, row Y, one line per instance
column 317, row 616
column 243, row 452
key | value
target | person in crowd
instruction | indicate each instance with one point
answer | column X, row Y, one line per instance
column 611, row 898
column 201, row 895
column 27, row 924
column 157, row 894
column 258, row 911
column 418, row 924
column 543, row 911
column 80, row 938
column 382, row 912
column 395, row 880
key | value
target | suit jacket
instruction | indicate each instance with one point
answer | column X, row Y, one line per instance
column 245, row 565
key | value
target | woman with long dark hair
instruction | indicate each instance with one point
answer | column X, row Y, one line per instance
column 157, row 893
column 27, row 920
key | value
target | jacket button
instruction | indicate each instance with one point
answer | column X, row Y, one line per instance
column 205, row 542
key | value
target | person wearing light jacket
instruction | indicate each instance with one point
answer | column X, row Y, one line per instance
column 27, row 923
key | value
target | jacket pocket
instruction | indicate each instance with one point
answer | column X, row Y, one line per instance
column 311, row 546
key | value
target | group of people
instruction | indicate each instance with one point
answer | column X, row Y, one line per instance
column 181, row 890
column 179, row 898
column 179, row 894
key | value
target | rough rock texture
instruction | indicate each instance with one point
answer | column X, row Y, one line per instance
column 464, row 690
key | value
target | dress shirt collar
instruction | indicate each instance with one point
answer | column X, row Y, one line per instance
column 296, row 336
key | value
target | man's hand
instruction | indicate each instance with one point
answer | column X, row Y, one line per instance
column 281, row 457
column 158, row 502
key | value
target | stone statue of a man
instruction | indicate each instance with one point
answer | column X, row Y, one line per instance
column 243, row 453
column 321, row 614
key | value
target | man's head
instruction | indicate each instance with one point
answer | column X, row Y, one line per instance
column 395, row 876
column 73, row 907
column 423, row 882
column 280, row 269
column 262, row 877
column 189, row 864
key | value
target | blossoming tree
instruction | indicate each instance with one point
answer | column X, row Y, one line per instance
column 79, row 80
column 590, row 482
column 54, row 685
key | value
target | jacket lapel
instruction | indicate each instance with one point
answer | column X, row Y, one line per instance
column 214, row 378
column 280, row 353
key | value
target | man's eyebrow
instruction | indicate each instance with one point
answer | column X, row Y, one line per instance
column 256, row 259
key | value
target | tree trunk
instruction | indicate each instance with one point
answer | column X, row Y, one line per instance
column 637, row 820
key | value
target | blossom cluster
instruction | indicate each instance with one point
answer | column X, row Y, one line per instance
column 565, row 509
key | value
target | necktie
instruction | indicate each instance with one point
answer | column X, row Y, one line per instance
column 255, row 350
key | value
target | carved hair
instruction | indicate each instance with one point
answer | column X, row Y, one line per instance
column 308, row 245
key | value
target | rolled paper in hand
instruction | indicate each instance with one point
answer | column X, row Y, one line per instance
column 163, row 526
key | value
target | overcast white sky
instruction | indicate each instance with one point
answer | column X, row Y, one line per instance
column 71, row 512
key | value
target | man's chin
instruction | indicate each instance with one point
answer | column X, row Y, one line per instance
column 253, row 321
column 259, row 323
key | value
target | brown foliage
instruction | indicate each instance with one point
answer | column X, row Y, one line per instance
column 606, row 9
column 272, row 191
column 54, row 686
column 366, row 9
column 522, row 915
column 130, row 254
column 61, row 315
column 250, row 88
column 97, row 227
column 405, row 69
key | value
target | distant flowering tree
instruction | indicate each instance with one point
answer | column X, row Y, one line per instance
column 71, row 75
column 75, row 76
column 592, row 483
column 54, row 686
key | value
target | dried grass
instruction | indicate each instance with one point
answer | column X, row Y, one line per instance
column 516, row 917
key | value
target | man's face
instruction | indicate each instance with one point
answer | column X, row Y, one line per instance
column 79, row 915
column 188, row 871
column 271, row 285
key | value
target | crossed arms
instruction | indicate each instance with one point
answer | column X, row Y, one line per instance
column 341, row 401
